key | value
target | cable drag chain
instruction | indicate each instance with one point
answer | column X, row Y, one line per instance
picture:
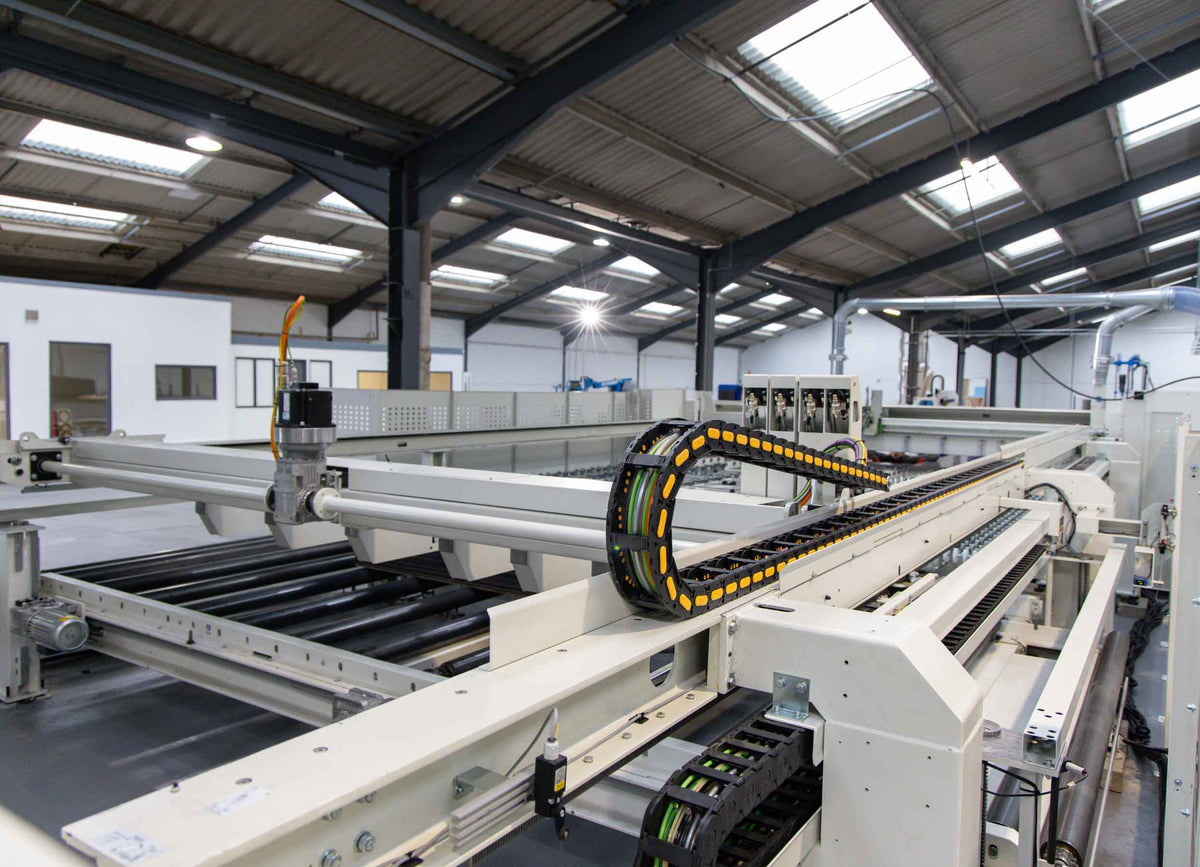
column 737, row 803
column 642, row 503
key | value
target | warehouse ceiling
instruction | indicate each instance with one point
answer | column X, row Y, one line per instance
column 758, row 113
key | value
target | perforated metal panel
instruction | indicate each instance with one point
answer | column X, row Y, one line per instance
column 620, row 406
column 590, row 407
column 414, row 411
column 355, row 412
column 541, row 410
column 483, row 410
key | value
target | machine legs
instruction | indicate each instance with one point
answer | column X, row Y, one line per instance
column 19, row 567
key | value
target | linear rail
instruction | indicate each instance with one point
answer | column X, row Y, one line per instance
column 642, row 502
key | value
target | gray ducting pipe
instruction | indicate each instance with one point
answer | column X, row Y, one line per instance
column 1102, row 355
column 1184, row 298
column 1089, row 746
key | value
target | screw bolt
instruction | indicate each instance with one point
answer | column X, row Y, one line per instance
column 626, row 735
column 331, row 858
column 1191, row 707
column 1185, row 811
column 587, row 760
column 660, row 715
column 364, row 842
column 1178, row 781
column 333, row 815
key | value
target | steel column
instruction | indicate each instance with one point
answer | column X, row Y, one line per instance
column 706, row 325
column 1017, row 395
column 912, row 377
column 992, row 379
column 960, row 371
column 403, row 282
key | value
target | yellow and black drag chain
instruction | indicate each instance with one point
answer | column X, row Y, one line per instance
column 643, row 501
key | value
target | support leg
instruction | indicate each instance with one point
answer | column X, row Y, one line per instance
column 18, row 580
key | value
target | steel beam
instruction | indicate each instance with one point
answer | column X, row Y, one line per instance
column 334, row 154
column 130, row 33
column 421, row 25
column 584, row 273
column 648, row 340
column 447, row 163
column 188, row 255
column 757, row 324
column 339, row 310
column 483, row 232
column 740, row 256
column 572, row 330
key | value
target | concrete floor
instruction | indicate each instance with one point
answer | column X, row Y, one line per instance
column 118, row 731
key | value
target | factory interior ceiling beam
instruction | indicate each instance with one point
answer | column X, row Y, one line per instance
column 744, row 254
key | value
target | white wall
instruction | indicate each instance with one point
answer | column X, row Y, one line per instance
column 1163, row 340
column 1006, row 380
column 143, row 329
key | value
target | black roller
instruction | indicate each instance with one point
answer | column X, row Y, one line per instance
column 150, row 562
column 229, row 604
column 405, row 613
column 1089, row 746
column 181, row 594
column 465, row 663
column 408, row 646
column 229, row 566
column 331, row 603
column 1006, row 808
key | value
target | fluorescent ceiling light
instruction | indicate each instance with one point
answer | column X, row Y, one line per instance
column 294, row 250
column 1173, row 242
column 203, row 143
column 68, row 216
column 891, row 311
column 1031, row 243
column 987, row 181
column 1161, row 110
column 115, row 150
column 840, row 58
column 727, row 287
column 1167, row 196
column 633, row 265
column 467, row 276
column 772, row 327
column 457, row 200
column 338, row 202
column 772, row 300
column 535, row 241
column 658, row 308
column 727, row 319
column 578, row 293
column 1063, row 277
column 600, row 242
column 812, row 313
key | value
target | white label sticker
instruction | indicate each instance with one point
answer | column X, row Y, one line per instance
column 239, row 800
column 127, row 846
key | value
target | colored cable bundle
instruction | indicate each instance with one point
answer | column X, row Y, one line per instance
column 643, row 501
column 289, row 318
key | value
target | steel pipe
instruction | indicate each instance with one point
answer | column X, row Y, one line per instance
column 219, row 493
column 181, row 594
column 228, row 604
column 1184, row 298
column 1102, row 354
column 1089, row 745
column 404, row 613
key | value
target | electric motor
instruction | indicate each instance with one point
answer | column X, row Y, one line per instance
column 51, row 624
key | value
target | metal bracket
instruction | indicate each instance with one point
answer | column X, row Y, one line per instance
column 476, row 780
column 354, row 701
column 789, row 696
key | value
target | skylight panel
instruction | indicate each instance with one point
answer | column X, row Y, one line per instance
column 578, row 293
column 840, row 58
column 1161, row 110
column 772, row 300
column 658, row 308
column 813, row 313
column 301, row 252
column 103, row 147
column 1031, row 244
column 338, row 202
column 987, row 181
column 1174, row 242
column 534, row 241
column 1167, row 196
column 771, row 328
column 633, row 265
column 1064, row 277
column 727, row 319
column 68, row 216
column 467, row 276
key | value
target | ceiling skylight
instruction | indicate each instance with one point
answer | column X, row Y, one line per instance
column 727, row 319
column 987, row 181
column 338, row 202
column 103, row 147
column 1167, row 196
column 772, row 300
column 467, row 276
column 813, row 313
column 771, row 328
column 533, row 241
column 839, row 57
column 658, row 308
column 1174, row 242
column 1162, row 110
column 578, row 293
column 1065, row 277
column 1031, row 244
column 293, row 251
column 68, row 216
column 633, row 265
